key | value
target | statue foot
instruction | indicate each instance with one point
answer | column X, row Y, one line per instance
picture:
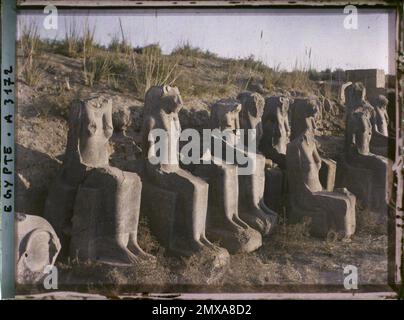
column 185, row 247
column 200, row 247
column 240, row 222
column 236, row 238
column 219, row 251
column 116, row 255
column 258, row 220
column 134, row 247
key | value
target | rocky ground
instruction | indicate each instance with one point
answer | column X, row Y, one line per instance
column 289, row 258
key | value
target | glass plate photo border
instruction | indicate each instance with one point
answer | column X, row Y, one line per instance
column 395, row 177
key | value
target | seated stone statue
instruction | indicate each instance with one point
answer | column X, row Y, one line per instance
column 380, row 123
column 303, row 113
column 276, row 132
column 94, row 207
column 359, row 170
column 381, row 116
column 224, row 224
column 37, row 247
column 328, row 211
column 254, row 186
column 175, row 200
column 275, row 122
column 355, row 95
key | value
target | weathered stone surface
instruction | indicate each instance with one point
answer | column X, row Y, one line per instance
column 356, row 99
column 342, row 93
column 303, row 113
column 330, row 107
column 252, row 207
column 183, row 232
column 223, row 222
column 359, row 170
column 328, row 211
column 276, row 130
column 252, row 110
column 381, row 116
column 104, row 226
column 355, row 96
column 275, row 188
column 374, row 80
column 37, row 247
column 327, row 173
column 95, row 207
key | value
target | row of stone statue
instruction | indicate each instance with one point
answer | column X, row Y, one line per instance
column 208, row 209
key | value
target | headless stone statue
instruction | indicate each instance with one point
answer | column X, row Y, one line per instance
column 37, row 247
column 276, row 130
column 224, row 224
column 329, row 211
column 95, row 207
column 361, row 171
column 176, row 201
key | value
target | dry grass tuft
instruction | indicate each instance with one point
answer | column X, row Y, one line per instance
column 30, row 44
column 152, row 69
column 186, row 50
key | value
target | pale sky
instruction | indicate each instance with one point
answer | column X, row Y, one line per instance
column 281, row 37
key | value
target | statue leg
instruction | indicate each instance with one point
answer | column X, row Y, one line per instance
column 338, row 207
column 252, row 207
column 224, row 224
column 106, row 217
column 188, row 225
column 59, row 210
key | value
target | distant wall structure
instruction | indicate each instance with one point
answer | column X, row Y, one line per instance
column 374, row 80
column 390, row 81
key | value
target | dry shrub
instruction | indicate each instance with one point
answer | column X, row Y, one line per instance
column 187, row 50
column 55, row 104
column 97, row 68
column 32, row 70
column 76, row 44
column 146, row 240
column 153, row 69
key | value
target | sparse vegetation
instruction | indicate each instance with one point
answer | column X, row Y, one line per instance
column 30, row 46
column 153, row 68
column 97, row 68
column 186, row 50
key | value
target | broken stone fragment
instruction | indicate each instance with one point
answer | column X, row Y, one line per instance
column 37, row 247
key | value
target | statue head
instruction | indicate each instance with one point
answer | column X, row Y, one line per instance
column 163, row 98
column 225, row 115
column 381, row 102
column 276, row 106
column 303, row 118
column 90, row 128
column 355, row 93
column 359, row 131
column 252, row 109
column 276, row 122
